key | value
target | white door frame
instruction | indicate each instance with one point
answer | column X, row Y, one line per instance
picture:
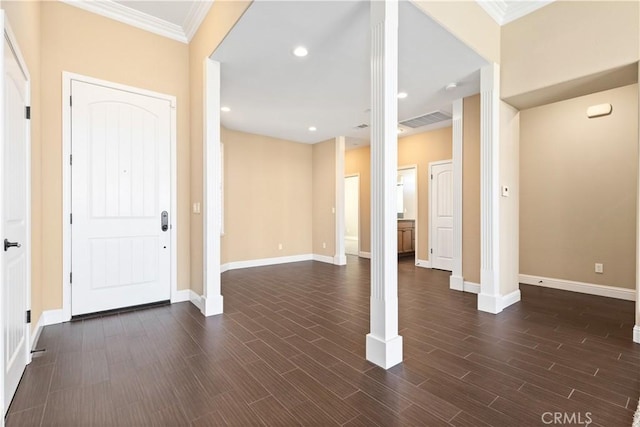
column 416, row 226
column 353, row 175
column 431, row 219
column 11, row 39
column 67, row 77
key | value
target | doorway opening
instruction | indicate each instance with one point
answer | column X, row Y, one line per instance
column 407, row 211
column 352, row 214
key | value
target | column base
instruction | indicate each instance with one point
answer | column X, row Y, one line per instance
column 489, row 303
column 636, row 334
column 456, row 283
column 385, row 354
column 212, row 305
column 340, row 260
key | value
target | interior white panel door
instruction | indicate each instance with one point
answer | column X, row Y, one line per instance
column 120, row 174
column 15, row 193
column 442, row 216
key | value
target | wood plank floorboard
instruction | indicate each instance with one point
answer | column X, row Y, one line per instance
column 290, row 350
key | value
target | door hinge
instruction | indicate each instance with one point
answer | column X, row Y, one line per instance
column 431, row 176
column 431, row 250
column 70, row 159
column 70, row 218
column 28, row 112
column 28, row 316
column 70, row 101
column 70, row 277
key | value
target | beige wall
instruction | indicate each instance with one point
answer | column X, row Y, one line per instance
column 24, row 18
column 567, row 40
column 268, row 197
column 467, row 21
column 471, row 190
column 84, row 43
column 578, row 189
column 221, row 18
column 324, row 198
column 420, row 150
column 358, row 161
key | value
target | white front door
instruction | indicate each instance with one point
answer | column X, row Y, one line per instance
column 15, row 220
column 441, row 216
column 120, row 198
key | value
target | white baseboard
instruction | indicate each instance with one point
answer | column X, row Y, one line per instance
column 235, row 265
column 362, row 254
column 456, row 283
column 196, row 300
column 489, row 303
column 340, row 260
column 322, row 258
column 636, row 334
column 181, row 296
column 510, row 299
column 585, row 288
column 52, row 317
column 423, row 263
column 35, row 334
column 471, row 287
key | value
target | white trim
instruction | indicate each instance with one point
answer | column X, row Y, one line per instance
column 423, row 263
column 340, row 257
column 52, row 317
column 212, row 180
column 471, row 287
column 181, row 296
column 510, row 299
column 505, row 11
column 323, row 258
column 196, row 300
column 235, row 265
column 197, row 13
column 67, row 77
column 121, row 13
column 36, row 334
column 636, row 334
column 456, row 280
column 584, row 288
column 489, row 303
column 385, row 354
column 363, row 254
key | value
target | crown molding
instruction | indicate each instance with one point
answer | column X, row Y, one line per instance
column 197, row 13
column 506, row 11
column 127, row 15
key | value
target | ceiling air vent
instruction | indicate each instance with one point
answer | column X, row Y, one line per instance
column 427, row 119
column 362, row 126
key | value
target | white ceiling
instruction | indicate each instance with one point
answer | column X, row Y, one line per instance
column 272, row 92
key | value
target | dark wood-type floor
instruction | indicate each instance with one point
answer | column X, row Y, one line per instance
column 289, row 350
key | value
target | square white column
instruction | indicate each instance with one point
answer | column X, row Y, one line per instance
column 384, row 345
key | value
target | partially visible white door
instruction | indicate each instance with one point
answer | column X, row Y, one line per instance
column 441, row 216
column 352, row 214
column 120, row 198
column 15, row 219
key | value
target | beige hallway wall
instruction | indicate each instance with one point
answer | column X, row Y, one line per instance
column 221, row 18
column 578, row 189
column 268, row 197
column 24, row 18
column 81, row 42
column 420, row 150
column 324, row 198
column 471, row 190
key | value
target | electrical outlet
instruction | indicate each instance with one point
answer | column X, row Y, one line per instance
column 324, row 245
column 196, row 208
column 599, row 268
column 279, row 246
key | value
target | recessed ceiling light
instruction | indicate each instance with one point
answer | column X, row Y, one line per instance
column 402, row 95
column 312, row 129
column 225, row 109
column 300, row 51
column 451, row 86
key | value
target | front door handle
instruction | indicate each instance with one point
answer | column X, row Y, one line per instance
column 8, row 244
column 164, row 220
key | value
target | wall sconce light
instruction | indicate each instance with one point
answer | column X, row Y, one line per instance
column 599, row 110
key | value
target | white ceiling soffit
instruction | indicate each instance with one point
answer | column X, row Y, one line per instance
column 177, row 20
column 505, row 11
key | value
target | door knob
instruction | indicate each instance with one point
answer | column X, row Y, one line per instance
column 8, row 244
column 164, row 220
